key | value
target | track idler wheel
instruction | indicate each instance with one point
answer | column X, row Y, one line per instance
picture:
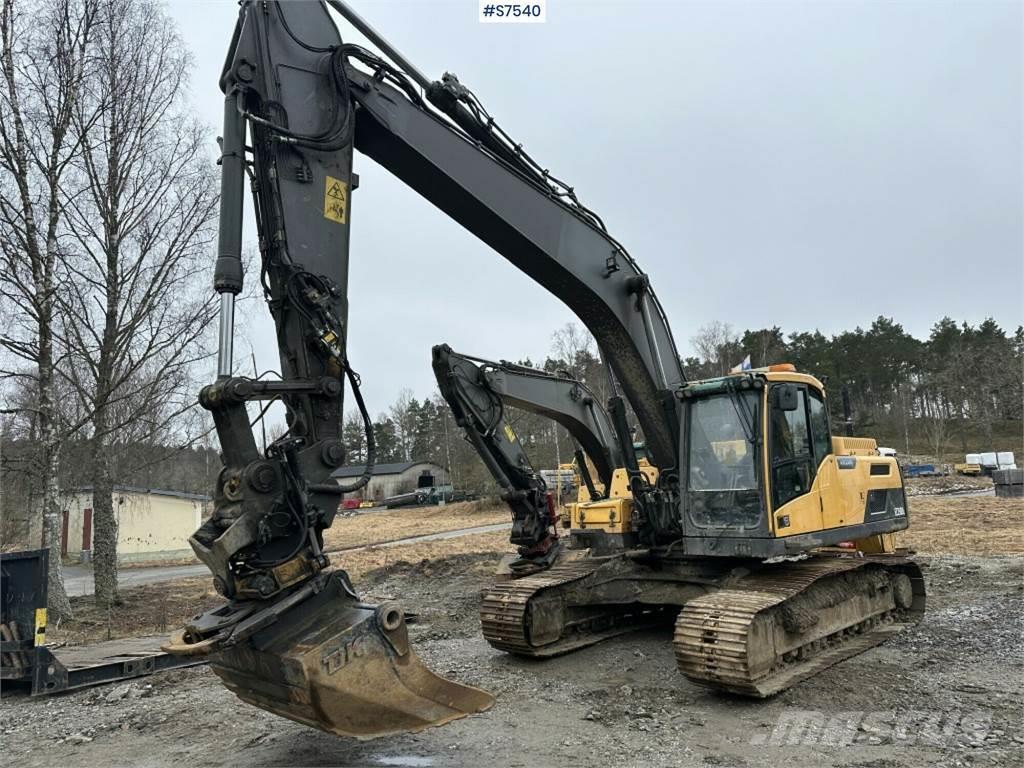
column 342, row 666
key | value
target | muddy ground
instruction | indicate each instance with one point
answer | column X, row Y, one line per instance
column 947, row 693
column 619, row 703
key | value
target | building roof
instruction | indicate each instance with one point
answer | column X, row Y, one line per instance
column 395, row 468
column 147, row 491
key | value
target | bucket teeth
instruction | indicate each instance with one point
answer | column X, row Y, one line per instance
column 344, row 667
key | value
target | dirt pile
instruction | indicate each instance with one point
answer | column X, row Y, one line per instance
column 160, row 608
column 374, row 527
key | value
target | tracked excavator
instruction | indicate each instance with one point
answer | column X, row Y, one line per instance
column 784, row 562
column 702, row 528
column 478, row 392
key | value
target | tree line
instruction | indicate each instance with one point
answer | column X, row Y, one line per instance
column 958, row 390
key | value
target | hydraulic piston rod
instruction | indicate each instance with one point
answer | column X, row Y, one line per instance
column 226, row 334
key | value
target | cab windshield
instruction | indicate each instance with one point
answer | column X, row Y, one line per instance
column 721, row 454
column 724, row 474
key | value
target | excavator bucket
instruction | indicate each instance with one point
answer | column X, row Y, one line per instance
column 342, row 666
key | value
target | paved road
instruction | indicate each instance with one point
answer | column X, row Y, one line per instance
column 78, row 579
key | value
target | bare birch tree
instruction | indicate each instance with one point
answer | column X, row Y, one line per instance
column 44, row 59
column 573, row 343
column 405, row 422
column 717, row 344
column 136, row 313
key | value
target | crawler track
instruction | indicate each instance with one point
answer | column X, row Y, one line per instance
column 753, row 633
column 784, row 624
column 529, row 616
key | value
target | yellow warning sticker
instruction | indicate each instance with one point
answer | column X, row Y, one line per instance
column 335, row 199
column 40, row 626
column 510, row 434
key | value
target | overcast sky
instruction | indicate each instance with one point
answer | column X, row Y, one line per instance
column 801, row 164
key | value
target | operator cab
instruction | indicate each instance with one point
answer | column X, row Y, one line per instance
column 764, row 475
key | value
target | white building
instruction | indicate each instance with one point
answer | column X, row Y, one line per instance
column 152, row 524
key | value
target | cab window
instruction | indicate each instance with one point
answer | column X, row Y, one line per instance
column 792, row 460
column 820, row 437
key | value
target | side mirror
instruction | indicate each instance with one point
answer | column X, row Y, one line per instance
column 785, row 397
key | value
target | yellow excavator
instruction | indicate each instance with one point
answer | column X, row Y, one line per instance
column 769, row 538
column 781, row 563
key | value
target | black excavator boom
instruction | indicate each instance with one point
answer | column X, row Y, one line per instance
column 477, row 391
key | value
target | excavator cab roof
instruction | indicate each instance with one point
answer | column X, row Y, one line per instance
column 784, row 372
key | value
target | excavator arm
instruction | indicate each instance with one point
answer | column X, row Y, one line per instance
column 477, row 392
column 308, row 101
column 298, row 102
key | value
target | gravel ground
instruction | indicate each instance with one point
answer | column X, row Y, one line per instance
column 947, row 693
column 932, row 486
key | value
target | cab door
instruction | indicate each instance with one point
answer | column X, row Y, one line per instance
column 793, row 465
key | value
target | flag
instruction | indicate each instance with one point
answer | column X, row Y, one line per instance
column 744, row 366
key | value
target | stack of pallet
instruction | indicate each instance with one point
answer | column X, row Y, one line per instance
column 1009, row 483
